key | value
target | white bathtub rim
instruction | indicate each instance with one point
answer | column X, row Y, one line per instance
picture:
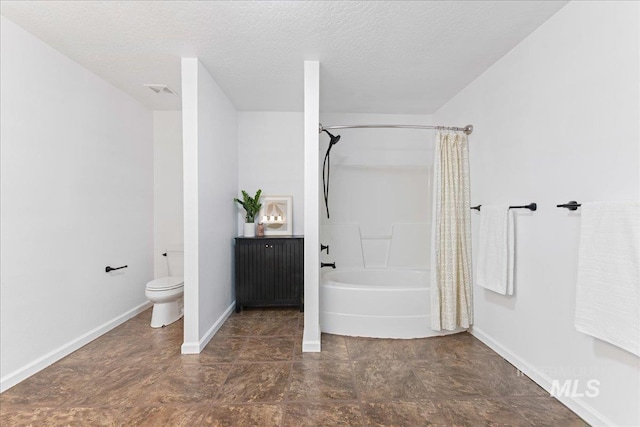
column 367, row 288
column 349, row 269
column 328, row 281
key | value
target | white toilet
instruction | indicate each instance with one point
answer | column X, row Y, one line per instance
column 166, row 293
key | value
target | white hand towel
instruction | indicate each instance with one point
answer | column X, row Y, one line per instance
column 494, row 269
column 608, row 288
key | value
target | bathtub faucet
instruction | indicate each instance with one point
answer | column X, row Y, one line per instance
column 328, row 264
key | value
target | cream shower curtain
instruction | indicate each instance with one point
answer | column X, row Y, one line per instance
column 451, row 283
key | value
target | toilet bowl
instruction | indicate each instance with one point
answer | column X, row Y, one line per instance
column 166, row 295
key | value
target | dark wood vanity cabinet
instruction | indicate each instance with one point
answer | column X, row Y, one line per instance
column 269, row 271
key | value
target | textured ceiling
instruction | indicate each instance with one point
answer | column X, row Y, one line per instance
column 376, row 57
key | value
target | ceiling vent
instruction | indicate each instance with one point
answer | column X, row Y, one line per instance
column 161, row 89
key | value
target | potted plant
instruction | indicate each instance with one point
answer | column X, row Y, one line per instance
column 252, row 207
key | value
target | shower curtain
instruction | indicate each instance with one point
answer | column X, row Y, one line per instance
column 451, row 283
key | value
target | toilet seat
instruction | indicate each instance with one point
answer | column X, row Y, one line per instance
column 165, row 283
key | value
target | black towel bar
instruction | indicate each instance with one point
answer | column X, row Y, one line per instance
column 572, row 205
column 530, row 206
column 109, row 268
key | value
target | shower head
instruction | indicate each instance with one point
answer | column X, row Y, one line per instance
column 326, row 168
column 334, row 139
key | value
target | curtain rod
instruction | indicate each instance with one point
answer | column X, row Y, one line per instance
column 468, row 129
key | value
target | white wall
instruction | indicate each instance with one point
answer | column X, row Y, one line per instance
column 311, row 334
column 555, row 120
column 77, row 195
column 168, row 208
column 210, row 157
column 379, row 194
column 271, row 157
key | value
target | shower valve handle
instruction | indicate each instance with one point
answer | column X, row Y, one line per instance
column 328, row 264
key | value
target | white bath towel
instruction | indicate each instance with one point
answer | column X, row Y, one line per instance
column 608, row 289
column 494, row 269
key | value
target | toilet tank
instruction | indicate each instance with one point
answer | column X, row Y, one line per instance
column 175, row 262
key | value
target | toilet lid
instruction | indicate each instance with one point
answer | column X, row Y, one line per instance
column 165, row 283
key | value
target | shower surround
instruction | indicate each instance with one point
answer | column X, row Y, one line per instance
column 379, row 232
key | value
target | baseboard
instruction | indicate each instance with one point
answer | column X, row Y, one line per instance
column 197, row 347
column 311, row 346
column 311, row 342
column 580, row 407
column 48, row 359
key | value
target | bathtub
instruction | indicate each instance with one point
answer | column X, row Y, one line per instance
column 380, row 303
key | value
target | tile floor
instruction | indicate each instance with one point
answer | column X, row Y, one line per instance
column 253, row 373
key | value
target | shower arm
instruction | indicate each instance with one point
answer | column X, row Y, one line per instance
column 468, row 129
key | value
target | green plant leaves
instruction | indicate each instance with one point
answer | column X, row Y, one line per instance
column 250, row 204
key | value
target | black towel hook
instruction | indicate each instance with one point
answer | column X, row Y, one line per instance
column 572, row 205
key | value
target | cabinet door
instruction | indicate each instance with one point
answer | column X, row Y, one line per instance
column 254, row 275
column 288, row 271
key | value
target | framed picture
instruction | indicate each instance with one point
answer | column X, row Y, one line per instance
column 276, row 214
